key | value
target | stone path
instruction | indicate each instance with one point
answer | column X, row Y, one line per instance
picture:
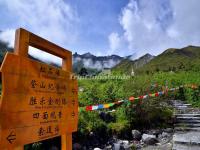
column 187, row 127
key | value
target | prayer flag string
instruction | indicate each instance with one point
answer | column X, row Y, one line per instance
column 132, row 98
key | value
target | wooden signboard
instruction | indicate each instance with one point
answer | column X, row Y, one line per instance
column 38, row 101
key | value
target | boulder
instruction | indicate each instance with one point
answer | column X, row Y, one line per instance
column 125, row 142
column 77, row 146
column 97, row 149
column 144, row 136
column 165, row 135
column 119, row 142
column 121, row 145
column 128, row 146
column 156, row 132
column 136, row 135
column 116, row 146
column 169, row 130
column 108, row 147
column 149, row 139
column 53, row 148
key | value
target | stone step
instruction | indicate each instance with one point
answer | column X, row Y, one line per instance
column 181, row 111
column 187, row 142
column 184, row 109
column 187, row 125
column 177, row 101
column 177, row 146
column 184, row 129
column 188, row 115
column 188, row 121
column 192, row 138
column 195, row 109
column 187, row 118
column 182, row 105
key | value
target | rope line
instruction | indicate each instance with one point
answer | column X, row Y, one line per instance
column 132, row 98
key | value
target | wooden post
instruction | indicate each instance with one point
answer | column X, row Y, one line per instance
column 66, row 142
column 21, row 42
column 66, row 139
column 19, row 148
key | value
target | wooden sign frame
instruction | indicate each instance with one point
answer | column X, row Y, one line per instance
column 24, row 39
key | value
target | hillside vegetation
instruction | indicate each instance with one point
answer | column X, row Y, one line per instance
column 185, row 59
column 173, row 60
column 172, row 68
column 126, row 66
column 146, row 114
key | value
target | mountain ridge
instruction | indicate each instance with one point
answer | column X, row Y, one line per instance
column 174, row 59
column 127, row 65
column 90, row 61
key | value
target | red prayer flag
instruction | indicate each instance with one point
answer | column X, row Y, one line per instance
column 131, row 98
column 88, row 108
column 141, row 97
column 157, row 94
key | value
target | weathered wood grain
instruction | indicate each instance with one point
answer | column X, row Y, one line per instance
column 38, row 101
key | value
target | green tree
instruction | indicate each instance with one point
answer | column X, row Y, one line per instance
column 83, row 72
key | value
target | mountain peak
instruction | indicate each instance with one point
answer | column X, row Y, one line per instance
column 131, row 57
column 147, row 54
column 91, row 61
column 75, row 54
column 191, row 46
column 88, row 54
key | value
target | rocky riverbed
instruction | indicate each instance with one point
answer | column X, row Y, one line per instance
column 150, row 139
column 184, row 135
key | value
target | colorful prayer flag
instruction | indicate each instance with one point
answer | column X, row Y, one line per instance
column 131, row 98
column 88, row 108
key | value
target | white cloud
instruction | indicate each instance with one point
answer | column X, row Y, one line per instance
column 8, row 36
column 153, row 25
column 46, row 57
column 117, row 45
column 54, row 20
column 185, row 27
column 114, row 41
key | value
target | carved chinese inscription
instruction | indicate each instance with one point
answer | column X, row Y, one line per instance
column 38, row 102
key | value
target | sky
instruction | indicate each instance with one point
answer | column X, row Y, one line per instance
column 105, row 27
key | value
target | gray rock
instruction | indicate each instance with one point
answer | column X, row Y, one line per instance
column 136, row 135
column 165, row 135
column 156, row 132
column 116, row 146
column 108, row 147
column 53, row 148
column 128, row 146
column 144, row 136
column 125, row 142
column 168, row 130
column 77, row 146
column 122, row 144
column 150, row 141
column 119, row 142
